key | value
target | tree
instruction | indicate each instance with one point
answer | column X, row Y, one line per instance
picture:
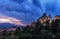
column 4, row 33
column 55, row 26
column 47, row 25
column 17, row 32
column 9, row 33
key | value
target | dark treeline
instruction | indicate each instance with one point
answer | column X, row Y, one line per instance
column 43, row 28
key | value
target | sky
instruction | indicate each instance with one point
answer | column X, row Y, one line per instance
column 28, row 10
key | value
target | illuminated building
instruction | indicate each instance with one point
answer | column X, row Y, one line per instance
column 44, row 18
column 49, row 18
column 57, row 17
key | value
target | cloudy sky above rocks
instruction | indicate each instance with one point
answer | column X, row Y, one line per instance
column 29, row 10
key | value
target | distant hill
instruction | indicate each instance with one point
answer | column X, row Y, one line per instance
column 8, row 25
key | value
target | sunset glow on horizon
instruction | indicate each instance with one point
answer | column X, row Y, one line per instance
column 6, row 19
